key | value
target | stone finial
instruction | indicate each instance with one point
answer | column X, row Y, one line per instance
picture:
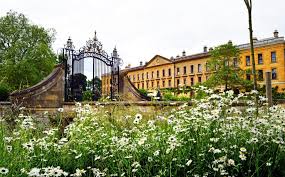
column 205, row 49
column 276, row 34
column 255, row 39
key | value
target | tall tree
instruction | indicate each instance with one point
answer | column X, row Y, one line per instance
column 97, row 93
column 223, row 64
column 248, row 4
column 26, row 56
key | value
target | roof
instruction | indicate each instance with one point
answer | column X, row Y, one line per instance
column 258, row 43
column 192, row 57
column 153, row 58
column 263, row 42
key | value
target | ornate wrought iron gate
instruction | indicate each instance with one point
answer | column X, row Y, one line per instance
column 103, row 65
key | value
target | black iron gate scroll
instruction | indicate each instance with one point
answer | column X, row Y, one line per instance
column 103, row 65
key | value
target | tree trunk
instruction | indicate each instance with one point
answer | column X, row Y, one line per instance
column 252, row 54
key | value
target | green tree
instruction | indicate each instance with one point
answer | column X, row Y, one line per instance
column 224, row 67
column 79, row 81
column 26, row 56
column 97, row 93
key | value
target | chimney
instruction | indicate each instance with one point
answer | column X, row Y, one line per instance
column 183, row 53
column 255, row 39
column 230, row 42
column 141, row 63
column 276, row 34
column 211, row 49
column 205, row 49
column 128, row 66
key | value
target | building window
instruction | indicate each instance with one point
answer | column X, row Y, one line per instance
column 178, row 82
column 142, row 76
column 142, row 85
column 260, row 59
column 147, row 85
column 151, row 84
column 184, row 81
column 152, row 73
column 235, row 62
column 147, row 75
column 274, row 74
column 169, row 72
column 247, row 58
column 192, row 69
column 184, row 70
column 260, row 75
column 157, row 84
column 163, row 73
column 178, row 70
column 199, row 68
column 207, row 67
column 192, row 81
column 157, row 74
column 169, row 83
column 138, row 85
column 273, row 57
column 248, row 77
column 163, row 83
column 199, row 79
column 138, row 77
column 134, row 77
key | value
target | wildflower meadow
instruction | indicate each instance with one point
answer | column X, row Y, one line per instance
column 218, row 135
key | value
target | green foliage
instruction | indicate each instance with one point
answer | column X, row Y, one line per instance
column 61, row 58
column 78, row 84
column 26, row 56
column 275, row 94
column 4, row 92
column 79, row 81
column 168, row 96
column 223, row 65
column 211, row 138
column 87, row 95
column 143, row 92
column 98, row 87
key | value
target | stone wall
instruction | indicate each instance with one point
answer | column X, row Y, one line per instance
column 127, row 90
column 49, row 93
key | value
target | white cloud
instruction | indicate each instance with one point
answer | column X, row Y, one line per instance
column 142, row 28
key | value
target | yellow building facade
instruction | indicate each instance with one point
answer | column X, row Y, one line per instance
column 161, row 72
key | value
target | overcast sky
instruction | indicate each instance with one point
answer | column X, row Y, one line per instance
column 143, row 28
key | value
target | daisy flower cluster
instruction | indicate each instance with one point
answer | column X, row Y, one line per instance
column 218, row 135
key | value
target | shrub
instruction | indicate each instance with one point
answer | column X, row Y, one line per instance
column 143, row 92
column 168, row 96
column 4, row 92
column 87, row 95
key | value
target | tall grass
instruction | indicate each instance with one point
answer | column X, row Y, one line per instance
column 211, row 138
